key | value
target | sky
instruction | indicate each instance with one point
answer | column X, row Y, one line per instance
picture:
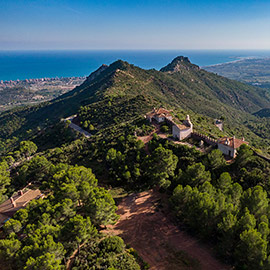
column 131, row 24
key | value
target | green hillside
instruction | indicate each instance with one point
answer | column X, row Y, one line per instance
column 180, row 85
column 225, row 203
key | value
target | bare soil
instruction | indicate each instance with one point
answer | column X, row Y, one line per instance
column 145, row 226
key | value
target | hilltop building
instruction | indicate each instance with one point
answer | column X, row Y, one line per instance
column 229, row 145
column 179, row 131
column 182, row 131
column 160, row 115
column 17, row 202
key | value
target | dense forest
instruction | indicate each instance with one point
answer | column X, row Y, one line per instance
column 226, row 204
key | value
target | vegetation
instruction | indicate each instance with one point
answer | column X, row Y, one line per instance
column 253, row 71
column 108, row 253
column 187, row 89
column 215, row 200
column 52, row 228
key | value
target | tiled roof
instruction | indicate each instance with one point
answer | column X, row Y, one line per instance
column 180, row 126
column 232, row 142
column 7, row 209
column 163, row 111
column 160, row 112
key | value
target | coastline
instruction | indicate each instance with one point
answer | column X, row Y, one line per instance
column 21, row 65
column 241, row 59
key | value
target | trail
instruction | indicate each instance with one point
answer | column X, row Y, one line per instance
column 157, row 239
column 76, row 127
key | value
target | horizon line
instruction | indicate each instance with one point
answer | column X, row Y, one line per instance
column 11, row 50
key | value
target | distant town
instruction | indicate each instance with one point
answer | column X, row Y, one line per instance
column 30, row 91
column 62, row 81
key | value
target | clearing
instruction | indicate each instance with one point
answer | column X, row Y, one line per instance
column 144, row 225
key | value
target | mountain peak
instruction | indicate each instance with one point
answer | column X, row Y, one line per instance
column 179, row 63
column 119, row 64
column 94, row 74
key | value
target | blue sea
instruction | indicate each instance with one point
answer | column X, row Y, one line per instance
column 40, row 64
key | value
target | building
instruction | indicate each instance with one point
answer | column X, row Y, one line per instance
column 229, row 145
column 218, row 123
column 160, row 115
column 182, row 131
column 17, row 202
column 179, row 131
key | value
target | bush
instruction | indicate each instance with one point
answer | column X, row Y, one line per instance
column 112, row 244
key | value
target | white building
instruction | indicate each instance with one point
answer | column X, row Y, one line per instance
column 182, row 131
column 228, row 146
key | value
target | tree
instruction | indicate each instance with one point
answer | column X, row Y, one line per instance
column 12, row 225
column 263, row 228
column 44, row 262
column 78, row 230
column 101, row 207
column 251, row 251
column 9, row 159
column 234, row 194
column 244, row 154
column 64, row 209
column 22, row 216
column 37, row 169
column 111, row 155
column 4, row 179
column 215, row 159
column 68, row 191
column 196, row 174
column 112, row 244
column 247, row 221
column 161, row 165
column 27, row 148
column 226, row 229
column 74, row 176
column 9, row 247
column 224, row 182
column 256, row 200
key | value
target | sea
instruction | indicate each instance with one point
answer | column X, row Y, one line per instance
column 20, row 65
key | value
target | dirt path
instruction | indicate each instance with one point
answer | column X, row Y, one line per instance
column 158, row 241
column 149, row 137
column 146, row 139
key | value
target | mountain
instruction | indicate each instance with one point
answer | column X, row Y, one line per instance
column 180, row 85
column 179, row 63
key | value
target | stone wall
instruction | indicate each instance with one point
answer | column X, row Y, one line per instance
column 199, row 136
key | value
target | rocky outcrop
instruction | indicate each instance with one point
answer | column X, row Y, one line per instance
column 179, row 63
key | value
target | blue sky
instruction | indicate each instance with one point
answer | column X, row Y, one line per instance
column 156, row 24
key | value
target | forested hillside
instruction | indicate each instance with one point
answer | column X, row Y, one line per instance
column 225, row 204
column 181, row 86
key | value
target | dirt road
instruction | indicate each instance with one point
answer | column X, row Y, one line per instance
column 146, row 227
